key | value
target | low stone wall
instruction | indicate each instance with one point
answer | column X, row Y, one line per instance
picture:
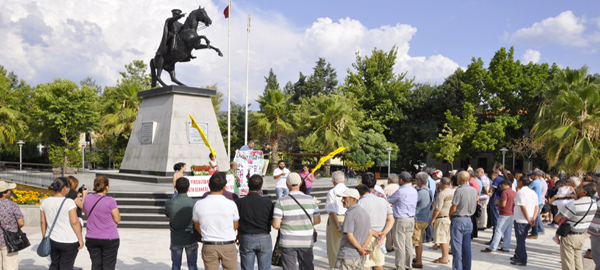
column 31, row 214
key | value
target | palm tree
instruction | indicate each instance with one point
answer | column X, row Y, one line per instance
column 11, row 120
column 332, row 122
column 568, row 124
column 273, row 119
column 122, row 105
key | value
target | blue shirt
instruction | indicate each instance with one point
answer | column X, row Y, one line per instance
column 404, row 201
column 431, row 186
column 246, row 148
column 423, row 210
column 496, row 185
column 536, row 186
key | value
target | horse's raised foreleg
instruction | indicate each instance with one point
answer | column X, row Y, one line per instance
column 173, row 78
column 216, row 50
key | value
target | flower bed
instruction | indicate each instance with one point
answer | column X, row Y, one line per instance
column 200, row 170
column 28, row 197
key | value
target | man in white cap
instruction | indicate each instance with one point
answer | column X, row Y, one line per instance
column 337, row 213
column 356, row 234
column 296, row 225
column 9, row 209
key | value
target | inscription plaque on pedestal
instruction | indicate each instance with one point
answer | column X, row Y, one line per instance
column 194, row 136
column 148, row 132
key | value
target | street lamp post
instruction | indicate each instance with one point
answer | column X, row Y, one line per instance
column 514, row 156
column 389, row 149
column 83, row 155
column 503, row 150
column 20, row 143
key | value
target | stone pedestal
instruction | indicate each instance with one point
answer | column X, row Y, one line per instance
column 161, row 134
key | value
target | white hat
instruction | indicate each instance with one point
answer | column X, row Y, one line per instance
column 438, row 173
column 294, row 179
column 351, row 192
column 6, row 186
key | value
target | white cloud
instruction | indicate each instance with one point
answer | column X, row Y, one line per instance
column 43, row 40
column 565, row 29
column 531, row 56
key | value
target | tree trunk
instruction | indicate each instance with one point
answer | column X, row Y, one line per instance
column 328, row 167
column 64, row 170
column 274, row 153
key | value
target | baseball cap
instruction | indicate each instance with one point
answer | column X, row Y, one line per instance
column 6, row 186
column 351, row 192
column 405, row 176
column 438, row 173
column 453, row 171
column 539, row 173
column 294, row 179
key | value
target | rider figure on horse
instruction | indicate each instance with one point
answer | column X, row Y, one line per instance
column 171, row 29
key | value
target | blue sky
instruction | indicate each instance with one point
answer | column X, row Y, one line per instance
column 72, row 39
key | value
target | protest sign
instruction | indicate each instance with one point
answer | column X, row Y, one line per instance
column 199, row 185
column 248, row 163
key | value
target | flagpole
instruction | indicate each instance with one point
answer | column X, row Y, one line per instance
column 229, row 82
column 247, row 75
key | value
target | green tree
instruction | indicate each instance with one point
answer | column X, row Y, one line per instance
column 12, row 120
column 238, row 120
column 137, row 71
column 65, row 110
column 568, row 122
column 273, row 119
column 331, row 121
column 323, row 80
column 371, row 147
column 378, row 89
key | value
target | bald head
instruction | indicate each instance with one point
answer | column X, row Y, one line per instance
column 463, row 177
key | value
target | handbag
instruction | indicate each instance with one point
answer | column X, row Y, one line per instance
column 565, row 228
column 478, row 211
column 276, row 255
column 44, row 248
column 15, row 241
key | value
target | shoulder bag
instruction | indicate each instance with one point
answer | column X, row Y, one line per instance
column 94, row 206
column 44, row 248
column 276, row 255
column 15, row 241
column 311, row 222
column 565, row 228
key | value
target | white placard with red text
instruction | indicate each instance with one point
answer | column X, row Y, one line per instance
column 199, row 185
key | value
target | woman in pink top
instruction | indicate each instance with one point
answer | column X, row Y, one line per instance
column 102, row 238
column 308, row 177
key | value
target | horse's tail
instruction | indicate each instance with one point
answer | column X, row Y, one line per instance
column 153, row 72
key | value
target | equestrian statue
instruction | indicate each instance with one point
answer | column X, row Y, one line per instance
column 178, row 41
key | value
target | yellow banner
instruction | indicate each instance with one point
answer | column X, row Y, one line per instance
column 325, row 158
column 194, row 125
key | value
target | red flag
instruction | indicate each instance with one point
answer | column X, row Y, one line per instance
column 226, row 12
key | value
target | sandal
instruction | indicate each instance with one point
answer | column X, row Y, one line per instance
column 440, row 261
column 415, row 265
column 588, row 256
column 434, row 247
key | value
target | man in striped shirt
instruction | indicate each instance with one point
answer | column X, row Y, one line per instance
column 579, row 215
column 594, row 231
column 295, row 226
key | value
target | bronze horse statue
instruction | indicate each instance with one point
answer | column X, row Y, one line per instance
column 178, row 42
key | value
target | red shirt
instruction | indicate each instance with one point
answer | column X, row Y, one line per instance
column 473, row 182
column 508, row 195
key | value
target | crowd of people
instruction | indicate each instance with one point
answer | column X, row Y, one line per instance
column 363, row 223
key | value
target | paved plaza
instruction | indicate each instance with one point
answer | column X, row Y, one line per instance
column 149, row 248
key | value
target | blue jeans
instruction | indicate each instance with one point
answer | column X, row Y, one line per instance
column 191, row 253
column 308, row 190
column 539, row 225
column 460, row 241
column 255, row 245
column 503, row 228
column 280, row 192
column 494, row 217
column 521, row 230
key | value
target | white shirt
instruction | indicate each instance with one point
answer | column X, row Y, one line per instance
column 544, row 189
column 281, row 180
column 63, row 231
column 528, row 198
column 334, row 203
column 216, row 215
